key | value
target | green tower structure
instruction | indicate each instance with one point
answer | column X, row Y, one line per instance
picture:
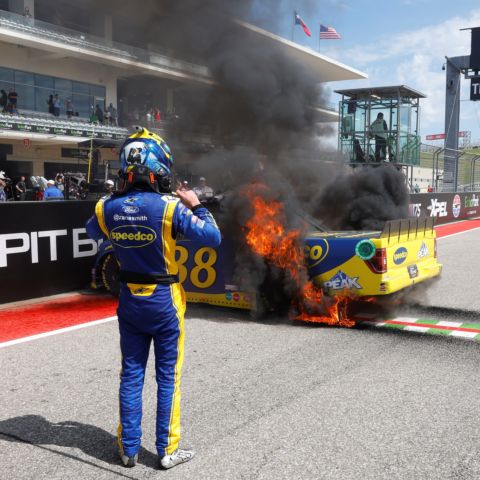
column 380, row 124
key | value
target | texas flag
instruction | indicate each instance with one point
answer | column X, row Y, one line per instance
column 299, row 21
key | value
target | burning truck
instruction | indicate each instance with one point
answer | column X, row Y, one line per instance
column 316, row 274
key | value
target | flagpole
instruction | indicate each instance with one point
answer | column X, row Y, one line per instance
column 293, row 25
column 319, row 39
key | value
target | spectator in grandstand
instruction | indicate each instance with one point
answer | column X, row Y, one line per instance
column 416, row 188
column 430, row 189
column 112, row 115
column 21, row 189
column 149, row 117
column 50, row 103
column 56, row 105
column 70, row 108
column 99, row 113
column 12, row 101
column 379, row 130
column 203, row 191
column 52, row 192
column 26, row 13
column 157, row 116
column 3, row 100
column 93, row 116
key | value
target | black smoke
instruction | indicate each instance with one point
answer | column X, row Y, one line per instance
column 365, row 199
column 259, row 111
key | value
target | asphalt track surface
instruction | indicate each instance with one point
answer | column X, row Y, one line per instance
column 261, row 400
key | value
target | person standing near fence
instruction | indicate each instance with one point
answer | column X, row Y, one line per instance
column 379, row 130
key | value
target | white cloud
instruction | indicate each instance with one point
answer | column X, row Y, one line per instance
column 415, row 58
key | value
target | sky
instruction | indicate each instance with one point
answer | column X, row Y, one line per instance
column 396, row 42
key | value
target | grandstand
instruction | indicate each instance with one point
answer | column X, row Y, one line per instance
column 92, row 60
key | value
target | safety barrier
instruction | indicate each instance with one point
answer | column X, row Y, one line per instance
column 44, row 249
column 445, row 207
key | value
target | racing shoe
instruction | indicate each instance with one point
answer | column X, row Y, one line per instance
column 129, row 462
column 176, row 458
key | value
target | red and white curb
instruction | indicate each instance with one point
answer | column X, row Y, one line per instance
column 466, row 330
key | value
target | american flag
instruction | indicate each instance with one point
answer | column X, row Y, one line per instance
column 328, row 33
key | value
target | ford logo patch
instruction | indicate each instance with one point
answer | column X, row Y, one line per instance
column 400, row 255
column 130, row 209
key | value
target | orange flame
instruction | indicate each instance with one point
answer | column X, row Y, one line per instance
column 267, row 236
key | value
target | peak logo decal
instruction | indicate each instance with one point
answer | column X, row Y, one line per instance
column 132, row 236
column 423, row 252
column 342, row 281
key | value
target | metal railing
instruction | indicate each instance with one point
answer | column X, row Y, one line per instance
column 34, row 122
column 66, row 36
column 451, row 170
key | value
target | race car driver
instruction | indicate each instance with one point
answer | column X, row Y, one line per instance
column 142, row 221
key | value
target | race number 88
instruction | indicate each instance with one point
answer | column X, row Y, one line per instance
column 204, row 258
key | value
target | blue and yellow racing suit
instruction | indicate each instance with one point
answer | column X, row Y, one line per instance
column 142, row 227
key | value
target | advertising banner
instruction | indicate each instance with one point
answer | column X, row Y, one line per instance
column 475, row 89
column 445, row 207
column 44, row 249
column 19, row 126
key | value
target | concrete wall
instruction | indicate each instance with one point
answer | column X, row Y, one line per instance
column 39, row 153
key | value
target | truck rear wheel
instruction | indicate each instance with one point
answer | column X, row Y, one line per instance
column 110, row 274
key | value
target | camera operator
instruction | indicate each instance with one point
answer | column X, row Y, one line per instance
column 59, row 182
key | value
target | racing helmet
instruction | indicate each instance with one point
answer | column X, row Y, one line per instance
column 146, row 161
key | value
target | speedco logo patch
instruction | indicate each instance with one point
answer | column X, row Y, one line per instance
column 132, row 236
column 400, row 255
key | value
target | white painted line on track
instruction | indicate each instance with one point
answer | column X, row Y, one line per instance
column 56, row 332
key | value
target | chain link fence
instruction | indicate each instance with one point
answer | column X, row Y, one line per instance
column 467, row 163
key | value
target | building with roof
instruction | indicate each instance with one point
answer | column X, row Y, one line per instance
column 82, row 59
